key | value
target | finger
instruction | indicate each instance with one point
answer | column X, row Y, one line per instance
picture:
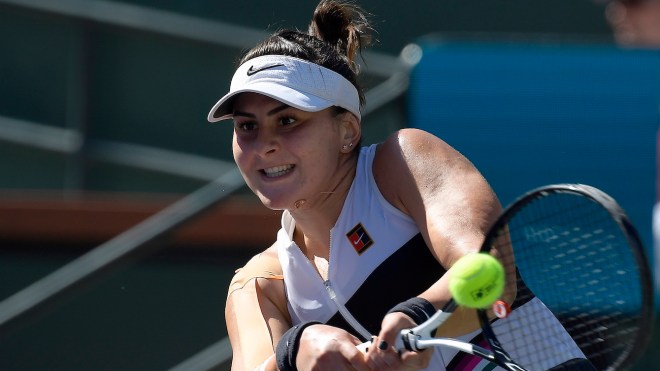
column 384, row 361
column 360, row 366
column 391, row 328
column 381, row 356
column 386, row 341
column 417, row 359
column 357, row 359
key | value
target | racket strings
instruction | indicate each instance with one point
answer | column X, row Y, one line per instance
column 575, row 258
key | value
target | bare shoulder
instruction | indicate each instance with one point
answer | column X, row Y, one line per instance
column 264, row 265
column 439, row 188
column 415, row 160
column 256, row 312
column 414, row 147
column 256, row 293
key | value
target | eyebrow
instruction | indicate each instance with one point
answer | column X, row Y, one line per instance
column 269, row 113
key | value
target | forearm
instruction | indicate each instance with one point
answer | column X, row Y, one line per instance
column 268, row 365
column 462, row 321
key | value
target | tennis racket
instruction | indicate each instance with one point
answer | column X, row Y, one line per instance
column 583, row 288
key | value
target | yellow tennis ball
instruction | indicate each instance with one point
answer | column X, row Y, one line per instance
column 476, row 280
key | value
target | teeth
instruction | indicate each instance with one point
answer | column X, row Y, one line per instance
column 276, row 171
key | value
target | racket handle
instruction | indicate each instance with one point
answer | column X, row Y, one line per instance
column 364, row 347
column 398, row 345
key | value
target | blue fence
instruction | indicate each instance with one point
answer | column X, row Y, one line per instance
column 530, row 114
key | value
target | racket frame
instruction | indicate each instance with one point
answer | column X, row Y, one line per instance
column 420, row 337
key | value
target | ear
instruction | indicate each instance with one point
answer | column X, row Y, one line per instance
column 350, row 130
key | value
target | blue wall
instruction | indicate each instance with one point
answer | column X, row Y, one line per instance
column 531, row 114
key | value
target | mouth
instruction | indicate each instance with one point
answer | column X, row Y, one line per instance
column 277, row 171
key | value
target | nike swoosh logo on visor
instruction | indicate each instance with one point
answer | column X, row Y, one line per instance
column 251, row 71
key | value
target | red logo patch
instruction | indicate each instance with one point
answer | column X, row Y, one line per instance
column 359, row 238
column 501, row 309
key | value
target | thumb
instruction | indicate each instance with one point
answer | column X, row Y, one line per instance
column 391, row 328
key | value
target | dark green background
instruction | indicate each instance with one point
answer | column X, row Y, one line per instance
column 134, row 86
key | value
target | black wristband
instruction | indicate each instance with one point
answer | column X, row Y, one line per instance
column 418, row 309
column 287, row 348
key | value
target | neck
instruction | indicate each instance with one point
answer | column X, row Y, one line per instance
column 315, row 218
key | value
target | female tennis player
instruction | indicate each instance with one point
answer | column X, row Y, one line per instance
column 365, row 230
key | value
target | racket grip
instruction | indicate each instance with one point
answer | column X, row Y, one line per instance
column 398, row 345
column 364, row 347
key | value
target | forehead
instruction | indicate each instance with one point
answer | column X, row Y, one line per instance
column 250, row 99
column 252, row 104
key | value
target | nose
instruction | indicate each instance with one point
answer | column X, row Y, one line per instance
column 267, row 143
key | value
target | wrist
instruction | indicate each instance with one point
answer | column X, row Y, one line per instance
column 418, row 309
column 287, row 348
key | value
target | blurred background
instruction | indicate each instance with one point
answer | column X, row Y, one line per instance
column 104, row 147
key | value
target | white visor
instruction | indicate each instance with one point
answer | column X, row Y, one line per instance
column 296, row 82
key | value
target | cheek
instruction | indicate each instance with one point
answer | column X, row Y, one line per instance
column 322, row 161
column 238, row 153
column 235, row 149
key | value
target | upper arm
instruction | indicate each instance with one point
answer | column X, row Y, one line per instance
column 448, row 198
column 255, row 312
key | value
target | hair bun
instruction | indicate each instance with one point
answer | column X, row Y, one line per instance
column 343, row 25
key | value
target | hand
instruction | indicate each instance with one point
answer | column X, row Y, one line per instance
column 324, row 347
column 383, row 356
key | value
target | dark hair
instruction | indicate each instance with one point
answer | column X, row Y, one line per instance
column 338, row 32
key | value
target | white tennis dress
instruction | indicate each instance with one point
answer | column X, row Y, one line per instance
column 378, row 258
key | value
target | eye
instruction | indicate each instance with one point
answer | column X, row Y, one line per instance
column 287, row 120
column 245, row 126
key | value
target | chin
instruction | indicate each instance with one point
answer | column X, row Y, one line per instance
column 272, row 203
